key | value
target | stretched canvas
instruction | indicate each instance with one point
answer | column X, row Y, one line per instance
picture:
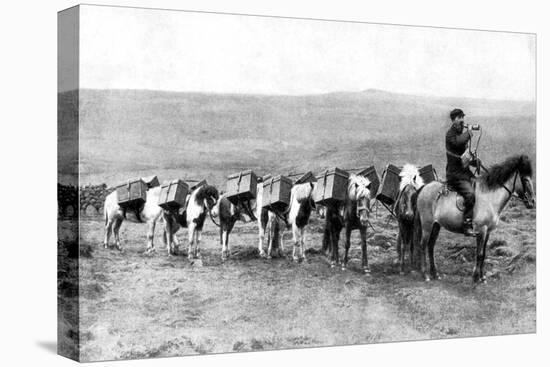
column 179, row 131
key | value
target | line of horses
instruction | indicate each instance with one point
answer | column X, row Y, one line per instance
column 421, row 210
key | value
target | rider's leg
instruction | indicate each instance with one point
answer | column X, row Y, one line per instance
column 466, row 189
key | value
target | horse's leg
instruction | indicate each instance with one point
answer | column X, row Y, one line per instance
column 198, row 234
column 116, row 229
column 335, row 236
column 295, row 241
column 261, row 236
column 364, row 256
column 165, row 238
column 223, row 231
column 482, row 273
column 480, row 256
column 326, row 246
column 280, row 246
column 270, row 228
column 150, row 235
column 108, row 229
column 302, row 250
column 431, row 244
column 422, row 250
column 399, row 247
column 347, row 246
column 191, row 236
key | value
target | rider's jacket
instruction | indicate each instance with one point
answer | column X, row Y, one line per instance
column 456, row 143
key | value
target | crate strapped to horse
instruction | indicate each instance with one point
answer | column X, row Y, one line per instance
column 132, row 196
column 332, row 187
column 276, row 193
column 173, row 195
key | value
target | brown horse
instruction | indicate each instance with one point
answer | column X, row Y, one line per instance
column 352, row 214
column 493, row 191
column 404, row 209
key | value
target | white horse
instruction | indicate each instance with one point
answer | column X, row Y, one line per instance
column 493, row 191
column 271, row 224
column 201, row 200
column 114, row 216
column 296, row 216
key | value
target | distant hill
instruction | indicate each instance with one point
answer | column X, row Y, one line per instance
column 132, row 133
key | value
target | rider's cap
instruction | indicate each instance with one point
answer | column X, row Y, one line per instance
column 457, row 112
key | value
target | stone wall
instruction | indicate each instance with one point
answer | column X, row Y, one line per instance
column 92, row 198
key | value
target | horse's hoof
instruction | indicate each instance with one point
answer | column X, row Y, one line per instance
column 436, row 277
column 262, row 254
column 295, row 259
column 344, row 268
column 402, row 273
column 427, row 278
column 332, row 266
column 366, row 271
column 269, row 257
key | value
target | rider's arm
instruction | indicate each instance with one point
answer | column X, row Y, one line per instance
column 459, row 139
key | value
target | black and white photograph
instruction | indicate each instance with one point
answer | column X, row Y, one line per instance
column 236, row 183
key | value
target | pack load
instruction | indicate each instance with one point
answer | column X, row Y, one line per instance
column 173, row 194
column 132, row 194
column 427, row 173
column 332, row 186
column 389, row 189
column 276, row 193
column 372, row 175
column 241, row 186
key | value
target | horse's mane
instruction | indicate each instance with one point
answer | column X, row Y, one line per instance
column 204, row 191
column 499, row 173
column 302, row 192
column 361, row 181
column 410, row 175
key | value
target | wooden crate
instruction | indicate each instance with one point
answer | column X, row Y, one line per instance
column 372, row 175
column 151, row 181
column 241, row 186
column 276, row 193
column 306, row 177
column 332, row 186
column 132, row 194
column 427, row 173
column 173, row 194
column 389, row 189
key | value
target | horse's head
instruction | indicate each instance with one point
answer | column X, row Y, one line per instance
column 208, row 196
column 524, row 188
column 359, row 191
column 406, row 204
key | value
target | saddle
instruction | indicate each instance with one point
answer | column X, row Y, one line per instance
column 446, row 190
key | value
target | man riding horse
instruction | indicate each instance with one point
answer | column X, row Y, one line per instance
column 459, row 176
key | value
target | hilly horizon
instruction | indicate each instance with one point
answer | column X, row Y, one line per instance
column 134, row 133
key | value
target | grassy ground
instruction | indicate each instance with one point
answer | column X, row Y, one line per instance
column 135, row 305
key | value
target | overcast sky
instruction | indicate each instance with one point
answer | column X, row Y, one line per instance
column 183, row 51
